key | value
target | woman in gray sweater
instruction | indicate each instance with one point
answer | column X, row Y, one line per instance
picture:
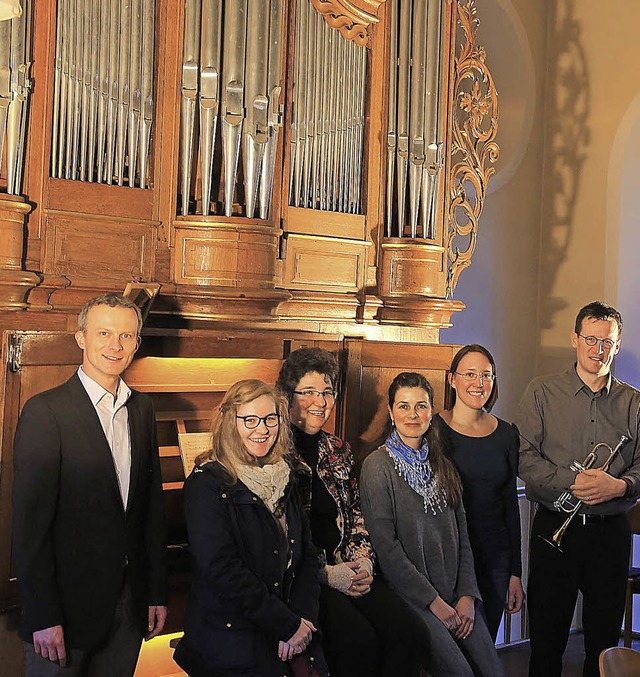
column 411, row 501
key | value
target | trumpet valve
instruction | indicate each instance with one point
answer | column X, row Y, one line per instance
column 576, row 466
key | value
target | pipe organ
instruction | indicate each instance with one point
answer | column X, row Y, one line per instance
column 315, row 164
column 288, row 172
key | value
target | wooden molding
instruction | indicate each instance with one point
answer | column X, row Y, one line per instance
column 473, row 149
column 351, row 17
column 410, row 269
column 241, row 255
column 15, row 283
column 419, row 311
column 13, row 211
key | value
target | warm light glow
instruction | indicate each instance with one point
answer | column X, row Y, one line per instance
column 156, row 658
column 10, row 9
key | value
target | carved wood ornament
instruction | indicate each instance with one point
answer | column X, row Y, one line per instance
column 351, row 18
column 473, row 149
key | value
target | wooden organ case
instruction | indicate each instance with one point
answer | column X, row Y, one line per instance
column 290, row 172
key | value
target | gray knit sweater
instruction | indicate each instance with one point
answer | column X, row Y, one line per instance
column 422, row 555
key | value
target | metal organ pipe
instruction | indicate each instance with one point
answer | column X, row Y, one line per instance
column 232, row 66
column 328, row 116
column 414, row 143
column 103, row 91
column 15, row 87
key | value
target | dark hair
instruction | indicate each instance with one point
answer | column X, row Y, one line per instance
column 444, row 471
column 598, row 310
column 304, row 361
column 450, row 393
column 113, row 301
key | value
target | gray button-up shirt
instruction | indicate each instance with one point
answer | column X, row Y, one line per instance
column 560, row 421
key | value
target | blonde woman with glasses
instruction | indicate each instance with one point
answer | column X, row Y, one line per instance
column 484, row 450
column 253, row 606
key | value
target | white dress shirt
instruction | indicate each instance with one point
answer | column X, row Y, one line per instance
column 114, row 419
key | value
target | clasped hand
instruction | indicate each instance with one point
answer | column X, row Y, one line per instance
column 458, row 620
column 596, row 486
column 298, row 642
column 361, row 582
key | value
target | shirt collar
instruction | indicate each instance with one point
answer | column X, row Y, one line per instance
column 577, row 384
column 96, row 392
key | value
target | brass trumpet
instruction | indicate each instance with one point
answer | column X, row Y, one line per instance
column 567, row 502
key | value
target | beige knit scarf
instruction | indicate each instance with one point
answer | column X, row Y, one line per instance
column 267, row 482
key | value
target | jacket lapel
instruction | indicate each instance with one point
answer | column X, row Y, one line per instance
column 135, row 436
column 89, row 424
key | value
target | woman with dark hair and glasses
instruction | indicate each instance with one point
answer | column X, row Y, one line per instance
column 484, row 450
column 367, row 629
column 253, row 605
column 412, row 504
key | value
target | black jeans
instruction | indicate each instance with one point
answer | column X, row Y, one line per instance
column 595, row 560
column 492, row 559
column 374, row 635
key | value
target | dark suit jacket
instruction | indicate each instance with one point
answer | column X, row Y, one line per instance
column 73, row 539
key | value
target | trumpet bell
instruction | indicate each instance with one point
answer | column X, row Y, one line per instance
column 553, row 541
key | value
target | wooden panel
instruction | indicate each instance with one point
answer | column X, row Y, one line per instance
column 194, row 343
column 9, row 397
column 409, row 269
column 408, row 357
column 48, row 347
column 371, row 367
column 332, row 224
column 38, row 379
column 99, row 248
column 225, row 256
column 96, row 198
column 330, row 265
column 158, row 374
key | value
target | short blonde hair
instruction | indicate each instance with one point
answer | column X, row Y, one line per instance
column 227, row 446
column 113, row 301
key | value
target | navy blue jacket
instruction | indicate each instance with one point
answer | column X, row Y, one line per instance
column 244, row 598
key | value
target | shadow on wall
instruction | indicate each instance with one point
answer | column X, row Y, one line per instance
column 567, row 139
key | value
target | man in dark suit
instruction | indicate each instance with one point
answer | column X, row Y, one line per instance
column 88, row 517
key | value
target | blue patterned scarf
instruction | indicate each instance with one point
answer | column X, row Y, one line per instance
column 414, row 467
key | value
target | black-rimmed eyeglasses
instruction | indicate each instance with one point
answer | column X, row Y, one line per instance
column 251, row 422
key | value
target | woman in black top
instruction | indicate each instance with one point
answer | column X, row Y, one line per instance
column 485, row 451
column 367, row 629
column 254, row 602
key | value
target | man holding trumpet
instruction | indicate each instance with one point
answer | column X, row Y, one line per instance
column 562, row 418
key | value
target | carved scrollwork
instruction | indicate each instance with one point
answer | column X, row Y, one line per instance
column 473, row 149
column 350, row 17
